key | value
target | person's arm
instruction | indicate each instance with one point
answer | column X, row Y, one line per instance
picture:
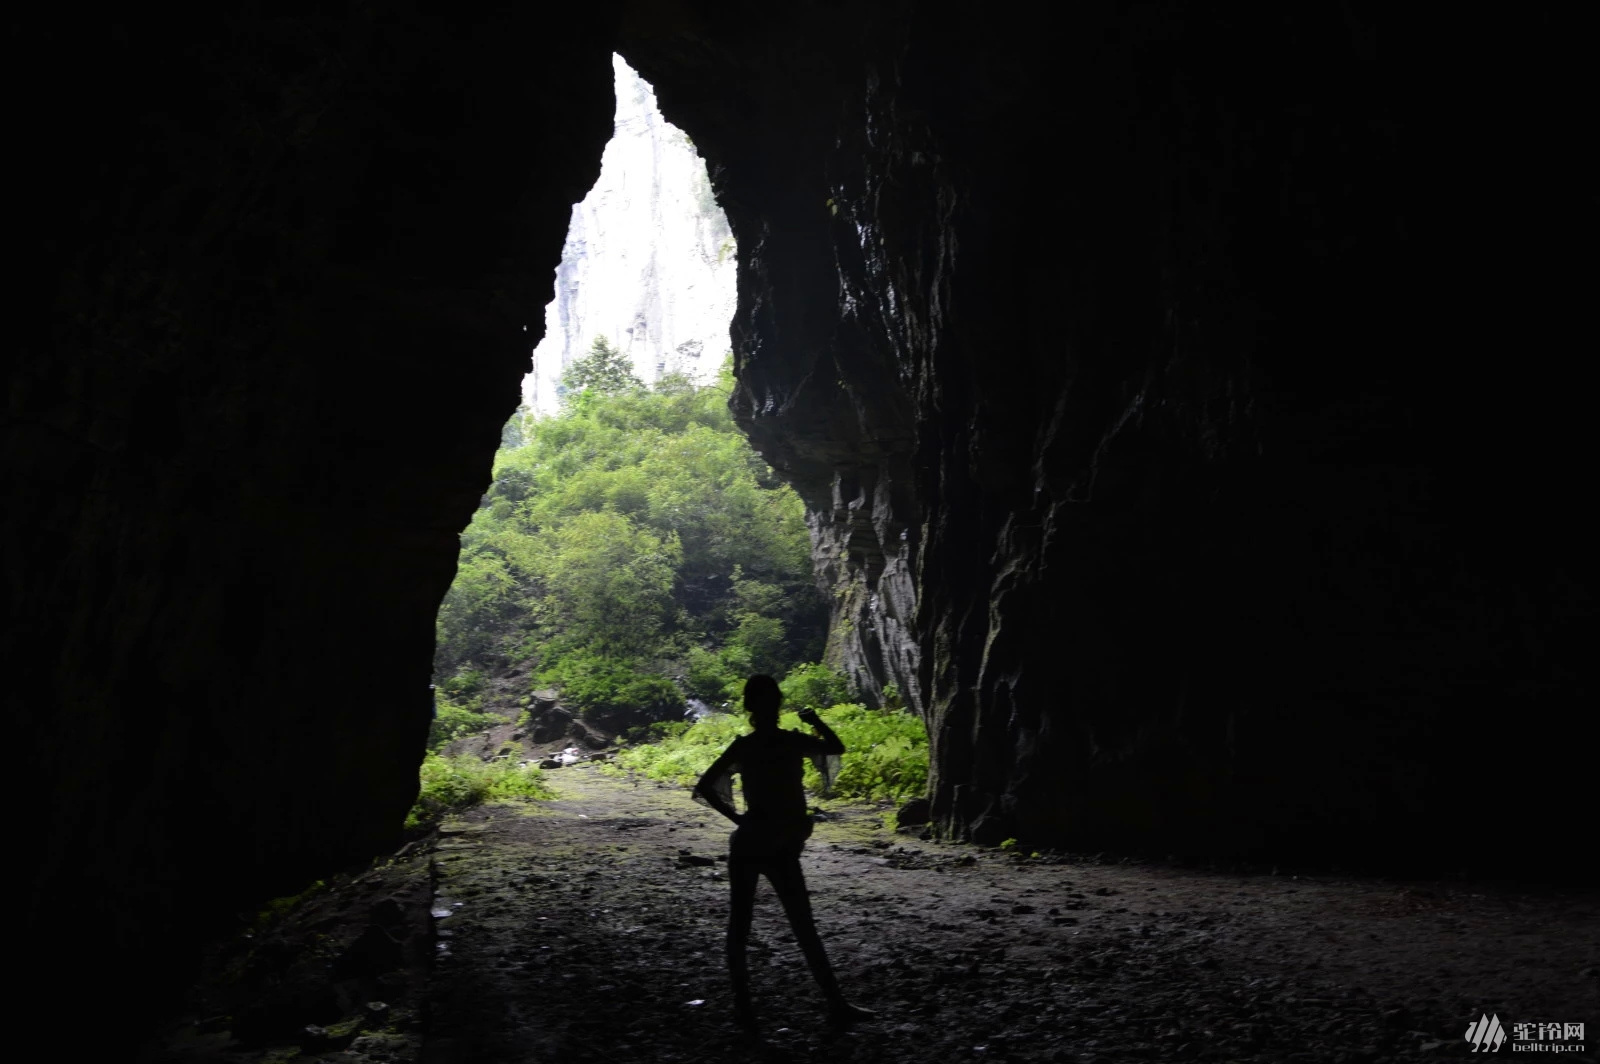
column 708, row 790
column 831, row 744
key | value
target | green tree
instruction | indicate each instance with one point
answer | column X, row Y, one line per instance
column 603, row 371
column 480, row 600
column 632, row 549
column 609, row 582
column 814, row 686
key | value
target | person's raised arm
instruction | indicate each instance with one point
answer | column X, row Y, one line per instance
column 712, row 790
column 831, row 742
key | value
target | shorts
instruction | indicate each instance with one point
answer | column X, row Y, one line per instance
column 769, row 838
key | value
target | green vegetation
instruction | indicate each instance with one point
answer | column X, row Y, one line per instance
column 278, row 908
column 450, row 783
column 634, row 550
column 813, row 686
column 457, row 782
column 454, row 721
column 603, row 371
column 458, row 712
column 886, row 751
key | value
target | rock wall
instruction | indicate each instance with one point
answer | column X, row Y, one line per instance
column 649, row 261
column 1145, row 373
column 279, row 272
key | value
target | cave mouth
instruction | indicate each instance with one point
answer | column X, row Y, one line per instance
column 633, row 560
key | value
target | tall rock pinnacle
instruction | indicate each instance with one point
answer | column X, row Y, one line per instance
column 649, row 260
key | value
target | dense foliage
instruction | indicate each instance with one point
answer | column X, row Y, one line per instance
column 457, row 782
column 458, row 710
column 886, row 751
column 634, row 549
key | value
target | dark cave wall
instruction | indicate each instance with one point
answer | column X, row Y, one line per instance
column 1173, row 393
column 1191, row 409
column 279, row 275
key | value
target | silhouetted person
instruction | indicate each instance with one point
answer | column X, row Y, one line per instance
column 770, row 834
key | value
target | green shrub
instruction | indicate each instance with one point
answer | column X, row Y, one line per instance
column 886, row 752
column 759, row 641
column 278, row 908
column 452, row 783
column 612, row 692
column 657, row 732
column 685, row 751
column 463, row 685
column 710, row 677
column 453, row 721
column 813, row 686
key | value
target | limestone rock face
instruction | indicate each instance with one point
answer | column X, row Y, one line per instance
column 649, row 260
column 1121, row 362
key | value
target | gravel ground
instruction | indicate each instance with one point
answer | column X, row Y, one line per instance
column 590, row 928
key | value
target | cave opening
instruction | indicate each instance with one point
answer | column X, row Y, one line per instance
column 633, row 560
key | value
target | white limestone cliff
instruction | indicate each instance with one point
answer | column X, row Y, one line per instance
column 649, row 259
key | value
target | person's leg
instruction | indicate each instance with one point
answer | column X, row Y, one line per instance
column 790, row 883
column 742, row 873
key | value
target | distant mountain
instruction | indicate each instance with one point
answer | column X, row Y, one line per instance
column 649, row 260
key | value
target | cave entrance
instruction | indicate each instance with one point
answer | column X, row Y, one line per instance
column 634, row 559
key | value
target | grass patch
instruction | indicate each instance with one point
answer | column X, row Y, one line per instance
column 886, row 751
column 452, row 721
column 454, row 783
column 278, row 908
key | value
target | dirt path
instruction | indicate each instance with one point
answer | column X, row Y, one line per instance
column 590, row 928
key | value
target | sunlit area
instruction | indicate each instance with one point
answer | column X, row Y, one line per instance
column 635, row 560
column 649, row 261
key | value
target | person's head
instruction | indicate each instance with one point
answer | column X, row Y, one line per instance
column 761, row 700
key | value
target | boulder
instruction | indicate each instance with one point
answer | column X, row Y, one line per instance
column 914, row 813
column 548, row 722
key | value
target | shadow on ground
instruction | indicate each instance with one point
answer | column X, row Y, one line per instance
column 589, row 928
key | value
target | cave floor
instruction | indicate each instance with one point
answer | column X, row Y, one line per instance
column 589, row 928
